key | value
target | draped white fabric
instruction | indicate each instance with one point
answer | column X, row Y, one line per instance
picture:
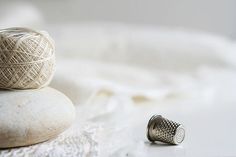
column 118, row 76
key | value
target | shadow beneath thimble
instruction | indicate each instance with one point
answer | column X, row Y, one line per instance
column 157, row 144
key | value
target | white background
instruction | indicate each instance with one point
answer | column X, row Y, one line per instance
column 217, row 16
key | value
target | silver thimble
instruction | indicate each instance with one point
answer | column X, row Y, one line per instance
column 164, row 130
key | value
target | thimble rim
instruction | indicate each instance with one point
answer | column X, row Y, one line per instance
column 148, row 126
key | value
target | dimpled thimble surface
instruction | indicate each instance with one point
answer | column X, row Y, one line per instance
column 164, row 130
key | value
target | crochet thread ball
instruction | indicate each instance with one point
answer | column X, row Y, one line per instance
column 27, row 58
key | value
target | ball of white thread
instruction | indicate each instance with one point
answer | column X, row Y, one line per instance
column 27, row 58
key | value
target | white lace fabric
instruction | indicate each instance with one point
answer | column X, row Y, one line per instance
column 118, row 76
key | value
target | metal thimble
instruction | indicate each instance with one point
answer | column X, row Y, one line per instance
column 164, row 130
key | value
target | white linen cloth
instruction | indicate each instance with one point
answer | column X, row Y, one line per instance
column 118, row 76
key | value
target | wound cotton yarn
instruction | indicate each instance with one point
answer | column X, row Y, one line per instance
column 27, row 58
